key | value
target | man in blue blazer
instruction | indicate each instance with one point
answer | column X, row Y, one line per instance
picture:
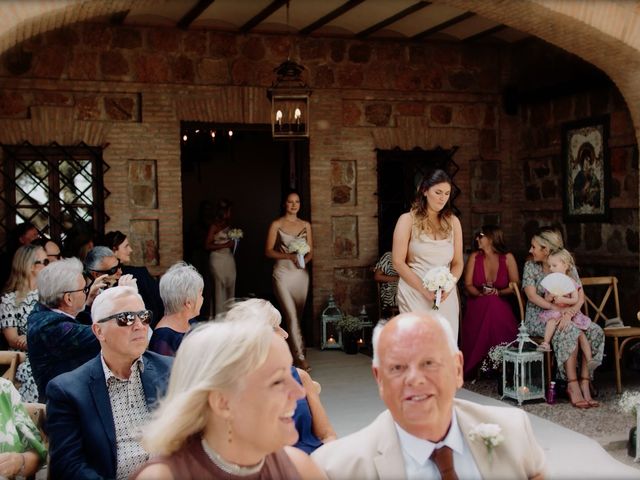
column 95, row 411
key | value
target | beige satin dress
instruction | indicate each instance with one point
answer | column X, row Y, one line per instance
column 290, row 285
column 222, row 266
column 423, row 254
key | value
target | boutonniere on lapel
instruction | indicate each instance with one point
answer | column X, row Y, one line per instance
column 488, row 433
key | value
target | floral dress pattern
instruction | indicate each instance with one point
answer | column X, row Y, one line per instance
column 15, row 316
column 18, row 433
column 563, row 342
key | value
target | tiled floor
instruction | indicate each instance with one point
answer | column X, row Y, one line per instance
column 351, row 399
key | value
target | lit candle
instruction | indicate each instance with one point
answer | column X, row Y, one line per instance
column 331, row 341
column 523, row 390
column 279, row 117
column 360, row 342
column 297, row 114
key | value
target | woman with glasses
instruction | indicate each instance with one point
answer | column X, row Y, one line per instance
column 53, row 250
column 148, row 289
column 488, row 319
column 181, row 291
column 20, row 296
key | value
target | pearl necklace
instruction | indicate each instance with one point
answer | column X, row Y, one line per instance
column 229, row 467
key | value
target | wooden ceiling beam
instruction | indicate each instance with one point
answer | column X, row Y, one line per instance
column 485, row 33
column 118, row 17
column 330, row 16
column 268, row 10
column 394, row 18
column 193, row 14
column 443, row 25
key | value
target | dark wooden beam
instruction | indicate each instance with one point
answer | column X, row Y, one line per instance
column 330, row 16
column 118, row 17
column 193, row 14
column 388, row 21
column 268, row 10
column 443, row 25
column 485, row 33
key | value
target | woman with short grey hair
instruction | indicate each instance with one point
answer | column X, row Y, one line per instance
column 181, row 292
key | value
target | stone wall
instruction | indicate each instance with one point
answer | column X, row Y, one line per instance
column 128, row 89
column 600, row 248
column 132, row 86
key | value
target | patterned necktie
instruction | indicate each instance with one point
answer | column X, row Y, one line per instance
column 443, row 458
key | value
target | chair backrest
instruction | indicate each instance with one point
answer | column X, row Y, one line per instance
column 9, row 361
column 516, row 290
column 594, row 306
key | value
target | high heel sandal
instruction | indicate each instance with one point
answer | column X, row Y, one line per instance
column 592, row 403
column 580, row 403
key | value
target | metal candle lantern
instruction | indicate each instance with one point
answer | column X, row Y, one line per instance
column 331, row 334
column 522, row 371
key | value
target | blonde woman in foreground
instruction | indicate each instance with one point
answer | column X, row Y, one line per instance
column 228, row 410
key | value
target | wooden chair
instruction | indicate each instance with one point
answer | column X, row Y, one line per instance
column 548, row 356
column 621, row 335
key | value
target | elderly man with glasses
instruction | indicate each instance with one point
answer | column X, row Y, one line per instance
column 95, row 412
column 56, row 340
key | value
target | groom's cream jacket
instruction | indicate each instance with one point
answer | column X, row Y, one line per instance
column 374, row 452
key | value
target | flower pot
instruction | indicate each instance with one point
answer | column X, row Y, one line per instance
column 350, row 344
column 631, row 443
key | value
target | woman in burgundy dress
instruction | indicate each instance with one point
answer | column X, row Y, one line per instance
column 489, row 318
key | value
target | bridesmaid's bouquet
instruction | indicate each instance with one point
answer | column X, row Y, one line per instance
column 300, row 247
column 437, row 280
column 235, row 234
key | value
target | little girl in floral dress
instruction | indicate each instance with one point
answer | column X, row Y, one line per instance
column 561, row 261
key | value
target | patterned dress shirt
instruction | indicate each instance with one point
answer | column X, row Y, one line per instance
column 130, row 414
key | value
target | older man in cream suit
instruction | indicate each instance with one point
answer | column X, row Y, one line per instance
column 425, row 431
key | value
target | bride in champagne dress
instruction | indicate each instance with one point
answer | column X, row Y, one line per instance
column 222, row 265
column 428, row 236
column 290, row 279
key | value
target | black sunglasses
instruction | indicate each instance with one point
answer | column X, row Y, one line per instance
column 111, row 271
column 126, row 319
column 44, row 262
column 57, row 256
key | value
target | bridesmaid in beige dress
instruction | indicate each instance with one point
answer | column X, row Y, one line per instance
column 290, row 280
column 222, row 265
column 428, row 236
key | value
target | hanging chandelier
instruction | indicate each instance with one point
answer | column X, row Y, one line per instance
column 289, row 95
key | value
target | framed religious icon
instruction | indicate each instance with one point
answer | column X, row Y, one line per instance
column 586, row 170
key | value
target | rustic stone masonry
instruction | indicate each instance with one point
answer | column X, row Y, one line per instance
column 129, row 88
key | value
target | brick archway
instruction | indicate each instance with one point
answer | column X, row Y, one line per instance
column 606, row 34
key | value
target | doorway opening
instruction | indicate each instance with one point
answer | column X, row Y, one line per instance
column 243, row 164
column 400, row 173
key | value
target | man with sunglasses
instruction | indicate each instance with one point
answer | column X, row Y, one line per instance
column 57, row 341
column 102, row 261
column 94, row 412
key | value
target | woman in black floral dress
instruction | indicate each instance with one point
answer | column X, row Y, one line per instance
column 19, row 298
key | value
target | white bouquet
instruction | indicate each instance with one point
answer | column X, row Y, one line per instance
column 300, row 247
column 439, row 280
column 630, row 403
column 235, row 234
